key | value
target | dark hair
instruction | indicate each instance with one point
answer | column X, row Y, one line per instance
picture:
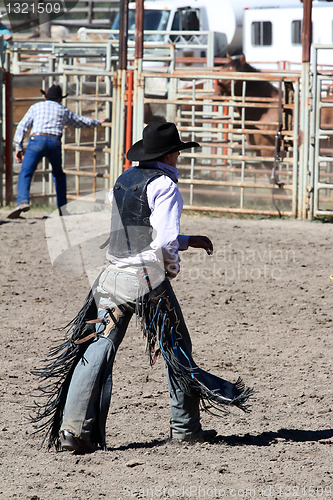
column 160, row 158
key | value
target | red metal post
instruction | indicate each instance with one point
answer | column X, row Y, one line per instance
column 139, row 27
column 129, row 115
column 123, row 35
column 122, row 74
column 306, row 31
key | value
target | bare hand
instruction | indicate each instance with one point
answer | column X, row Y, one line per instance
column 201, row 242
column 19, row 156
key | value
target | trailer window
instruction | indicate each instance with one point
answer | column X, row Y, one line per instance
column 185, row 20
column 296, row 32
column 154, row 19
column 261, row 33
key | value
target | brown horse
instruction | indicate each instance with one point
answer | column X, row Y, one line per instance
column 262, row 111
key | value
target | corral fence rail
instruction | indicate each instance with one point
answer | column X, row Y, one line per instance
column 87, row 153
column 92, row 159
column 228, row 173
column 320, row 172
column 90, row 13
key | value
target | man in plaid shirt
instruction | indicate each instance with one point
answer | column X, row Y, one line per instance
column 46, row 120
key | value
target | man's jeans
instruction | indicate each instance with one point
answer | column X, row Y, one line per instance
column 90, row 389
column 42, row 146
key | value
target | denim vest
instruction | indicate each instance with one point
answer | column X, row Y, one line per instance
column 131, row 232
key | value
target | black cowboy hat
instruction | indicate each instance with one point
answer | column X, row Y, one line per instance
column 54, row 93
column 158, row 139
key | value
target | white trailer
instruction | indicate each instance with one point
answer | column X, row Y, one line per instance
column 274, row 35
column 224, row 17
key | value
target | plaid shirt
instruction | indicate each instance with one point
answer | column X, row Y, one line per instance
column 49, row 117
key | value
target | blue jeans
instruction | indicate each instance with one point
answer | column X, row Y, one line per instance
column 89, row 393
column 41, row 146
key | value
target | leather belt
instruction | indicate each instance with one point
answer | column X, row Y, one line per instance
column 50, row 135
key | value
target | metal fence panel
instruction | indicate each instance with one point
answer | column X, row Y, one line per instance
column 92, row 158
column 320, row 183
column 229, row 174
column 88, row 160
column 188, row 44
column 2, row 162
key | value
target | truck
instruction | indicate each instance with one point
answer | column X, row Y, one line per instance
column 223, row 17
column 274, row 35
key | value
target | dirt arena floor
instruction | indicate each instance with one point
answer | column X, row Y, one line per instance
column 260, row 307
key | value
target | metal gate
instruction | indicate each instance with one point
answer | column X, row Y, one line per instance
column 320, row 181
column 228, row 174
column 2, row 159
column 91, row 157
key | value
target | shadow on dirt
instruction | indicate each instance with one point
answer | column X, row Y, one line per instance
column 264, row 439
column 268, row 438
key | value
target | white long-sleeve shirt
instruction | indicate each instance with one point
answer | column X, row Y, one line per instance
column 166, row 205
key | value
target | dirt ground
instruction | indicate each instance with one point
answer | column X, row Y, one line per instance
column 260, row 307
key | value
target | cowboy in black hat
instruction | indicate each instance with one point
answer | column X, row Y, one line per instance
column 46, row 120
column 143, row 255
column 54, row 93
